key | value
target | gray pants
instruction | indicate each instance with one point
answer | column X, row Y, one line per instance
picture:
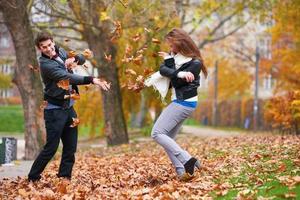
column 166, row 128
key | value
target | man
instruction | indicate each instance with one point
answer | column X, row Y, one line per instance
column 59, row 113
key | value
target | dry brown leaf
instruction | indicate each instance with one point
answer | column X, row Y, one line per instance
column 75, row 122
column 87, row 53
column 156, row 41
column 107, row 57
column 71, row 54
column 130, row 71
column 64, row 84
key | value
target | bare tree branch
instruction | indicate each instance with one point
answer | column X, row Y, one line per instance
column 201, row 19
column 240, row 54
column 206, row 41
column 125, row 6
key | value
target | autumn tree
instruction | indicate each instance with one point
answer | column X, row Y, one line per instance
column 284, row 109
column 26, row 76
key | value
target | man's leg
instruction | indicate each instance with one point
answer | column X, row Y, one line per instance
column 55, row 121
column 69, row 140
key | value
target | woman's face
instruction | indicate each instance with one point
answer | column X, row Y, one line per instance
column 171, row 45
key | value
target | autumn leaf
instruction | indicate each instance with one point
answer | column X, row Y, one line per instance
column 156, row 41
column 128, row 50
column 107, row 57
column 138, row 60
column 87, row 53
column 64, row 84
column 74, row 96
column 147, row 30
column 147, row 71
column 104, row 16
column 130, row 71
column 137, row 37
column 71, row 54
column 75, row 122
column 140, row 78
column 117, row 32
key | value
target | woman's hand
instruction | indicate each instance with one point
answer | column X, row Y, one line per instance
column 163, row 54
column 102, row 83
column 188, row 76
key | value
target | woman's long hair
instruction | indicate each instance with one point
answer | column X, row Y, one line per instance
column 185, row 45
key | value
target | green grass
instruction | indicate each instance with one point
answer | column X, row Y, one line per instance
column 11, row 119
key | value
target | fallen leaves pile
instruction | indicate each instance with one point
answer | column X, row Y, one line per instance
column 241, row 167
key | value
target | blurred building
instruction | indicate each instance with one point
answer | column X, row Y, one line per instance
column 7, row 61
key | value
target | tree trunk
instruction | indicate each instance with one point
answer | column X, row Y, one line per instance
column 115, row 126
column 27, row 80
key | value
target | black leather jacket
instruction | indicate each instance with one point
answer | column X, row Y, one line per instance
column 183, row 89
column 53, row 71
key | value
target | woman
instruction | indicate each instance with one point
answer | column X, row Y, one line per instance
column 182, row 67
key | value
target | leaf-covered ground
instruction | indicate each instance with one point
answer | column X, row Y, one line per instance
column 243, row 167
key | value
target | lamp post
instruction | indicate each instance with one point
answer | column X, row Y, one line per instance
column 215, row 103
column 255, row 103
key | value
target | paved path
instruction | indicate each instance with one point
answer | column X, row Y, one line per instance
column 208, row 132
column 21, row 167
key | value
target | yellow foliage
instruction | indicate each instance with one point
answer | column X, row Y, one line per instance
column 89, row 110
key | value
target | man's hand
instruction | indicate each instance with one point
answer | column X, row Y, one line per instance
column 70, row 63
column 102, row 83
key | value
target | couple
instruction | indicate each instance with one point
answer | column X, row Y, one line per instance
column 179, row 71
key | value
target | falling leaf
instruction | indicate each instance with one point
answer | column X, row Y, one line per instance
column 130, row 71
column 140, row 78
column 87, row 53
column 147, row 71
column 128, row 50
column 107, row 57
column 156, row 41
column 104, row 16
column 74, row 96
column 117, row 32
column 75, row 122
column 137, row 37
column 138, row 60
column 154, row 55
column 147, row 30
column 64, row 84
column 71, row 54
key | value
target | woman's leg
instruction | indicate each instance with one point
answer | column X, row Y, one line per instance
column 172, row 115
column 176, row 163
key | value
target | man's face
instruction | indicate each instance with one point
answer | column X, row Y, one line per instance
column 47, row 48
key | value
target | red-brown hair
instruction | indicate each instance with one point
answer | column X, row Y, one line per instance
column 185, row 45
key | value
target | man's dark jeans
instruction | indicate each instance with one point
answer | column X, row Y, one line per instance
column 57, row 123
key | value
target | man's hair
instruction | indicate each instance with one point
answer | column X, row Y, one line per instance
column 42, row 36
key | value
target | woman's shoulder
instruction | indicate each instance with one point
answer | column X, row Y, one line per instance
column 196, row 61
